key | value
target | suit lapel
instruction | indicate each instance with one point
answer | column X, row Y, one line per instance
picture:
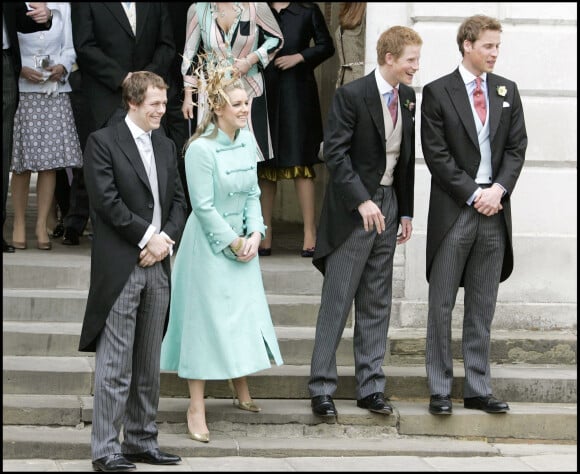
column 141, row 12
column 127, row 144
column 456, row 90
column 119, row 14
column 495, row 105
column 372, row 100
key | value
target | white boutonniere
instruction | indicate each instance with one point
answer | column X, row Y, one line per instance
column 409, row 105
column 501, row 91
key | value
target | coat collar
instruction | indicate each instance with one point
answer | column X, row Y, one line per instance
column 127, row 144
column 372, row 99
column 141, row 11
column 460, row 99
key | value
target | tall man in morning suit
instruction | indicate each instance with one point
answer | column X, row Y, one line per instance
column 138, row 213
column 111, row 40
column 474, row 142
column 369, row 149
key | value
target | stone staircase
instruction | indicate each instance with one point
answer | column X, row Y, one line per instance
column 47, row 383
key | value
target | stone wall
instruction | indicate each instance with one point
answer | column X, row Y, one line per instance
column 539, row 52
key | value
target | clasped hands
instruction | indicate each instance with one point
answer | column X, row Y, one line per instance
column 57, row 73
column 158, row 247
column 246, row 248
column 488, row 201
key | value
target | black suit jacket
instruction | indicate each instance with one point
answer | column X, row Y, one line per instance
column 121, row 211
column 107, row 50
column 355, row 155
column 451, row 151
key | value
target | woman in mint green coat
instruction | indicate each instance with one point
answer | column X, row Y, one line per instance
column 219, row 323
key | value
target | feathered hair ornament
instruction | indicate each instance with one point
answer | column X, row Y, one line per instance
column 214, row 77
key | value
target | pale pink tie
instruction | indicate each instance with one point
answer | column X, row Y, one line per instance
column 479, row 100
column 394, row 105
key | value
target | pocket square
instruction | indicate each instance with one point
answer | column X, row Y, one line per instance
column 505, row 104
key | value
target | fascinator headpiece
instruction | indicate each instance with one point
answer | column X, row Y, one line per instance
column 214, row 77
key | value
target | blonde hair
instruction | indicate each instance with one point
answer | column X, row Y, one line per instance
column 215, row 78
column 351, row 14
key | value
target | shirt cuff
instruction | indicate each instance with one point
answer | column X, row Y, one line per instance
column 150, row 231
column 504, row 189
column 170, row 245
column 473, row 196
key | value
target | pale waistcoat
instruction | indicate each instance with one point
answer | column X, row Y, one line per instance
column 147, row 156
column 394, row 136
column 484, row 172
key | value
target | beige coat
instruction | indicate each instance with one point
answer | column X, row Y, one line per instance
column 350, row 45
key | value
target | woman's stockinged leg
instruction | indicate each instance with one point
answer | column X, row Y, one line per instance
column 44, row 195
column 196, row 423
column 267, row 196
column 20, row 184
column 305, row 191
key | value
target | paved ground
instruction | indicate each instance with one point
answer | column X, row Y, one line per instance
column 515, row 458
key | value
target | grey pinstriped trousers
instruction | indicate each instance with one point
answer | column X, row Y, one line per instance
column 474, row 247
column 127, row 367
column 360, row 269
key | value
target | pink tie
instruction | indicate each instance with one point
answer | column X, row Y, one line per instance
column 479, row 100
column 394, row 105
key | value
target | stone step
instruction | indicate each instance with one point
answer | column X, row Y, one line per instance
column 74, row 376
column 68, row 305
column 288, row 428
column 68, row 267
column 282, row 274
column 26, row 442
column 294, row 418
column 405, row 346
column 61, row 268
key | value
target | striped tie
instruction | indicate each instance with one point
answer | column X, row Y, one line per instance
column 479, row 101
column 394, row 105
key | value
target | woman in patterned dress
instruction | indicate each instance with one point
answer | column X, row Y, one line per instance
column 247, row 35
column 45, row 136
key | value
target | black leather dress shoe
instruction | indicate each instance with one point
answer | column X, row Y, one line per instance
column 58, row 231
column 489, row 404
column 376, row 403
column 112, row 463
column 71, row 237
column 155, row 456
column 7, row 248
column 322, row 405
column 440, row 405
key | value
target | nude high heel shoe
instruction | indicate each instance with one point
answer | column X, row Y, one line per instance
column 201, row 437
column 248, row 406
